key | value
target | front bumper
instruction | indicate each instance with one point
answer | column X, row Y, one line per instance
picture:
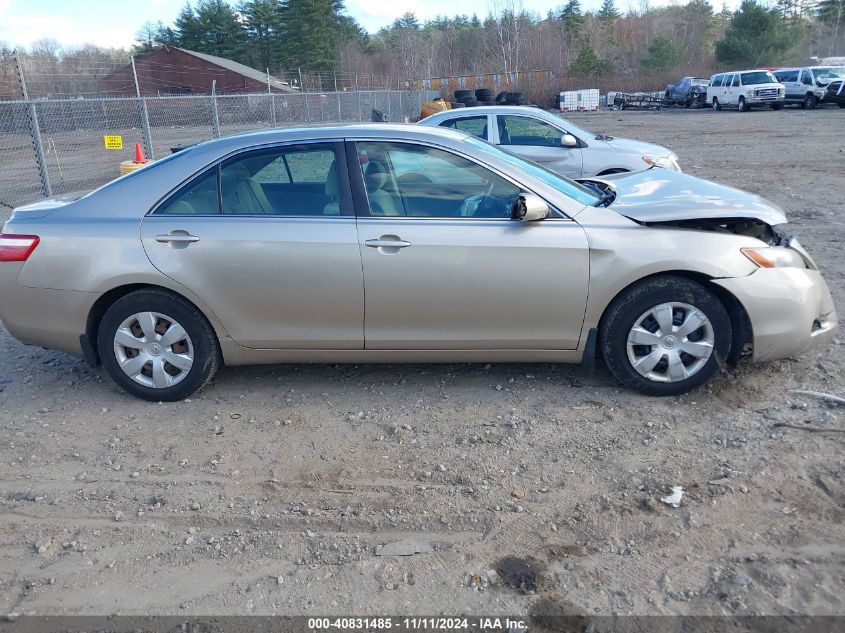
column 790, row 309
column 758, row 99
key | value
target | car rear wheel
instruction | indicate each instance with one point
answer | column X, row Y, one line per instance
column 665, row 336
column 810, row 102
column 157, row 346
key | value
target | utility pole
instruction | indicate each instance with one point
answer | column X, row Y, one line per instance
column 145, row 116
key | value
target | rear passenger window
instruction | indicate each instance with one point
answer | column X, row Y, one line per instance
column 299, row 180
column 199, row 197
column 474, row 125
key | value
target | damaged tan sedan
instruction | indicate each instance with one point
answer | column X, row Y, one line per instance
column 380, row 243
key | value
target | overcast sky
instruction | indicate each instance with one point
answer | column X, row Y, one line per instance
column 114, row 23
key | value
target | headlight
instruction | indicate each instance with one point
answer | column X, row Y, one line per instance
column 775, row 257
column 666, row 162
column 749, row 93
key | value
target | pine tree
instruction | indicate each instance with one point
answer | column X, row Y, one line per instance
column 312, row 30
column 263, row 26
column 756, row 36
column 588, row 63
column 573, row 21
column 662, row 54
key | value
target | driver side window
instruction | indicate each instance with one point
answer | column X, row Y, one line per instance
column 523, row 130
column 404, row 179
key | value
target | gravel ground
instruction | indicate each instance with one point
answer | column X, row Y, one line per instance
column 272, row 490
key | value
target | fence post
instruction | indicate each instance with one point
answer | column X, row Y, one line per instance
column 35, row 131
column 215, row 118
column 145, row 116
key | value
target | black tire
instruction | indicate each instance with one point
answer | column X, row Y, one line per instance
column 741, row 106
column 466, row 99
column 516, row 98
column 623, row 312
column 471, row 103
column 485, row 94
column 463, row 94
column 458, row 104
column 715, row 105
column 207, row 358
column 810, row 102
column 489, row 103
column 502, row 97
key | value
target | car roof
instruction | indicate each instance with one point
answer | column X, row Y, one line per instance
column 333, row 131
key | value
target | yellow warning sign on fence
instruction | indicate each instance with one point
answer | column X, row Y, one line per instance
column 113, row 141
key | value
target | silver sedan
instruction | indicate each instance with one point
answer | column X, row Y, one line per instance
column 554, row 142
column 386, row 243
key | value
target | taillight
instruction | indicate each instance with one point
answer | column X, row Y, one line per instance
column 17, row 248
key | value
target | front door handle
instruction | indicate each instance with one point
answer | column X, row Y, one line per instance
column 387, row 243
column 180, row 238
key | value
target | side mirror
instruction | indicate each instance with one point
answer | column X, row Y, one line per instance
column 527, row 207
column 567, row 140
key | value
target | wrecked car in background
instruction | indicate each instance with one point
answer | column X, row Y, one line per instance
column 257, row 249
column 835, row 93
column 689, row 92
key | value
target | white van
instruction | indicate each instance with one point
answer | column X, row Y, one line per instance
column 807, row 85
column 744, row 89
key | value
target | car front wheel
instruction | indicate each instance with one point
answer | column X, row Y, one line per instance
column 715, row 104
column 157, row 346
column 665, row 336
column 742, row 106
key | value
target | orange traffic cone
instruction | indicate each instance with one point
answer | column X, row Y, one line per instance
column 139, row 154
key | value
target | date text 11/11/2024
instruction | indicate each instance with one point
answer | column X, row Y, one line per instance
column 419, row 623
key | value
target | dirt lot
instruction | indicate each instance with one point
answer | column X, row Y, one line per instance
column 272, row 489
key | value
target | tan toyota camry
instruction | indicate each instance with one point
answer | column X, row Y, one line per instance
column 383, row 243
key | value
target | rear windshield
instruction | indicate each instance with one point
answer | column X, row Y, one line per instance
column 758, row 77
column 698, row 82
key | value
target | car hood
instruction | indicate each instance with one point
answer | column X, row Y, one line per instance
column 630, row 146
column 661, row 195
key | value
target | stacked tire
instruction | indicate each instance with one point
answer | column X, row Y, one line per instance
column 511, row 98
column 478, row 97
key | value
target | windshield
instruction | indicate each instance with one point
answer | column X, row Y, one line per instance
column 758, row 77
column 829, row 73
column 699, row 82
column 563, row 184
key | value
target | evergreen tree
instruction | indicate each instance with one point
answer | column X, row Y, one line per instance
column 662, row 54
column 263, row 26
column 573, row 21
column 588, row 63
column 312, row 30
column 212, row 27
column 756, row 36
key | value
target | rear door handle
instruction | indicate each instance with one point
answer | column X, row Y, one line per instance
column 182, row 238
column 382, row 243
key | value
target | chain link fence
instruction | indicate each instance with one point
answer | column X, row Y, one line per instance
column 50, row 147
